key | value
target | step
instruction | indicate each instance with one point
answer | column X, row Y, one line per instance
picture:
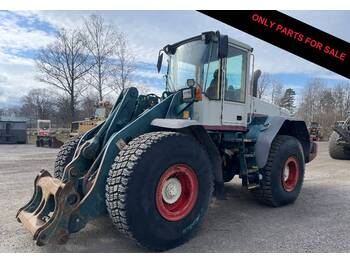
column 248, row 140
column 253, row 170
column 252, row 186
column 245, row 140
column 250, row 155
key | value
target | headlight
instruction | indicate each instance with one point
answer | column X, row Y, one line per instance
column 187, row 94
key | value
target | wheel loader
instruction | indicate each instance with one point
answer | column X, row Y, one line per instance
column 45, row 135
column 339, row 141
column 102, row 111
column 315, row 131
column 154, row 164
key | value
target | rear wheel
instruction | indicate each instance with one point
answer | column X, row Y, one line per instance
column 338, row 151
column 283, row 173
column 158, row 189
column 65, row 156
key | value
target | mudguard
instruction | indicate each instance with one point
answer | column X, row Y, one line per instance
column 197, row 130
column 174, row 123
column 274, row 126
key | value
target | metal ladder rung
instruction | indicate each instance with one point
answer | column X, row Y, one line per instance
column 252, row 186
column 253, row 170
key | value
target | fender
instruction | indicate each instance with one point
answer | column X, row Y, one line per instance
column 274, row 126
column 174, row 123
column 195, row 129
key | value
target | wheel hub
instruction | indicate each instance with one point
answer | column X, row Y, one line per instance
column 176, row 192
column 286, row 173
column 290, row 174
column 171, row 191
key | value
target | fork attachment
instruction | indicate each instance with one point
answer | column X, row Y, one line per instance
column 47, row 214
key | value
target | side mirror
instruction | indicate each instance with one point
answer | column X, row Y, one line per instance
column 160, row 61
column 223, row 46
column 256, row 76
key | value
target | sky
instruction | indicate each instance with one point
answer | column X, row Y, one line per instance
column 23, row 33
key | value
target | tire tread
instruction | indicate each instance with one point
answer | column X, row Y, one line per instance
column 65, row 155
column 120, row 176
column 264, row 193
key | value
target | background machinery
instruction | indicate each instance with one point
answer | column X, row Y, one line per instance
column 13, row 130
column 315, row 131
column 45, row 135
column 103, row 108
column 339, row 141
column 154, row 162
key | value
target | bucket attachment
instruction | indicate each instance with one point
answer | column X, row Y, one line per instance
column 61, row 207
column 47, row 214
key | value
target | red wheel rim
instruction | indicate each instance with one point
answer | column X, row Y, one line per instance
column 290, row 174
column 177, row 192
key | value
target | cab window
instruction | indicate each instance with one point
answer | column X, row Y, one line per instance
column 212, row 83
column 235, row 77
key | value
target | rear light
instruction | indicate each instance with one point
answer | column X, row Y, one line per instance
column 197, row 94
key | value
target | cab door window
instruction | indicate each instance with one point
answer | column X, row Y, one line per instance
column 235, row 77
column 212, row 83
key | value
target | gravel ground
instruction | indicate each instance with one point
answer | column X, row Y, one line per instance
column 317, row 222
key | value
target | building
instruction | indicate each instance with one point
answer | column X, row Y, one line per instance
column 13, row 130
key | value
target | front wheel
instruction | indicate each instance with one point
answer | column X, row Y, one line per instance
column 283, row 173
column 65, row 156
column 158, row 189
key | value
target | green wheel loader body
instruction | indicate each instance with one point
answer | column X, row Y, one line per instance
column 86, row 186
column 234, row 132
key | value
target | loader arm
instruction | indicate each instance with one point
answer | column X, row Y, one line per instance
column 60, row 207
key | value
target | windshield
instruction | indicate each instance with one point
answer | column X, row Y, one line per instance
column 194, row 60
column 100, row 112
column 44, row 125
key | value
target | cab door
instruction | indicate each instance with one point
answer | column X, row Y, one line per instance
column 235, row 106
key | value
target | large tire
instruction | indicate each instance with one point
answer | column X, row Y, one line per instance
column 283, row 173
column 338, row 151
column 137, row 188
column 65, row 155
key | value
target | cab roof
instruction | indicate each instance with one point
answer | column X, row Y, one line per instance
column 205, row 35
column 240, row 44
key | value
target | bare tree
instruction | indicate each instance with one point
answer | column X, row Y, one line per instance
column 270, row 88
column 38, row 104
column 64, row 63
column 114, row 61
column 101, row 41
column 323, row 104
column 341, row 96
column 63, row 116
column 88, row 105
column 277, row 91
column 265, row 82
column 310, row 105
column 126, row 64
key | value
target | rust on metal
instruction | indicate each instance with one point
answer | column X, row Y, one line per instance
column 47, row 214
